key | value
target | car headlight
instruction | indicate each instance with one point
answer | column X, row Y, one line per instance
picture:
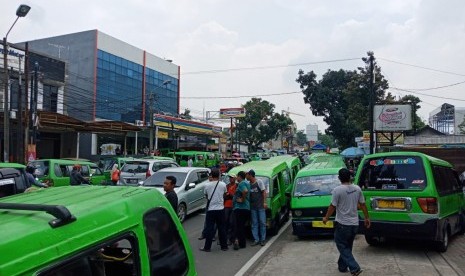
column 298, row 213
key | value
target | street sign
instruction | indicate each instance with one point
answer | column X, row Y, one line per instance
column 226, row 113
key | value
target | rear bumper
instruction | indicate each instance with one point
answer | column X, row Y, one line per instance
column 403, row 230
column 304, row 228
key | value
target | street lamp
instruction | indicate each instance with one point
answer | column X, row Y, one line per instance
column 20, row 12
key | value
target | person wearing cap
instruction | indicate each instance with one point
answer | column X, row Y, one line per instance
column 76, row 177
column 258, row 195
column 241, row 206
column 228, row 207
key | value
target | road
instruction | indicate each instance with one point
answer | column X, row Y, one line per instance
column 216, row 262
column 318, row 256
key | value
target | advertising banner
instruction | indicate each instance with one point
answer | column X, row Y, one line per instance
column 15, row 56
column 226, row 113
column 391, row 118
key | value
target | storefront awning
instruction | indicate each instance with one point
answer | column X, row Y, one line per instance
column 188, row 126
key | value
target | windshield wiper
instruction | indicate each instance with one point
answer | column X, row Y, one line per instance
column 306, row 193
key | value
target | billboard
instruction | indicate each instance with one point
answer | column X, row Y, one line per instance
column 391, row 118
column 226, row 113
column 15, row 56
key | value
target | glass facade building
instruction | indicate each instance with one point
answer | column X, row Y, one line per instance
column 120, row 90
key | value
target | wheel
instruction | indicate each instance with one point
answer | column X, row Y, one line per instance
column 182, row 212
column 275, row 226
column 372, row 240
column 441, row 246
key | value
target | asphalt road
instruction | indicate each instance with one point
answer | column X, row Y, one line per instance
column 216, row 262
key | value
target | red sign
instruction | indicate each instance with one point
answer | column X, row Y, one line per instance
column 31, row 152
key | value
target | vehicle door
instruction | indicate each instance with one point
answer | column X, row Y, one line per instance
column 200, row 188
column 62, row 173
column 98, row 177
column 275, row 196
column 192, row 194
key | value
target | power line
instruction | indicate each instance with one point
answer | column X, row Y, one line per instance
column 423, row 94
column 266, row 67
column 422, row 67
column 437, row 87
column 237, row 97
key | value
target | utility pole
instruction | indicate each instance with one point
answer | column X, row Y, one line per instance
column 35, row 93
column 19, row 140
column 372, row 102
column 6, row 109
column 151, row 102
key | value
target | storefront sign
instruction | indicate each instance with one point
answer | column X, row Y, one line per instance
column 389, row 118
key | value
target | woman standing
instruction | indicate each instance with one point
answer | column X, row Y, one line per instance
column 114, row 174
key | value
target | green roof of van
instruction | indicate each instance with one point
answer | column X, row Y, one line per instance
column 432, row 159
column 323, row 164
column 261, row 168
column 12, row 165
column 99, row 210
column 289, row 159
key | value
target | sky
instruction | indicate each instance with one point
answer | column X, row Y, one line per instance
column 419, row 44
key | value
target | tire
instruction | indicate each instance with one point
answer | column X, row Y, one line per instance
column 182, row 212
column 462, row 225
column 372, row 240
column 441, row 246
column 275, row 227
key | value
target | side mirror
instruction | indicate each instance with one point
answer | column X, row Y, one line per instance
column 191, row 186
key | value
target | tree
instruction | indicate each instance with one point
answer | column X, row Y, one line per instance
column 187, row 114
column 260, row 123
column 414, row 101
column 301, row 138
column 326, row 140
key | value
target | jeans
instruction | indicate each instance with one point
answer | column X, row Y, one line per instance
column 215, row 217
column 229, row 223
column 344, row 236
column 258, row 224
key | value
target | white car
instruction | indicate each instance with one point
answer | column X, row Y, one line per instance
column 135, row 171
column 190, row 184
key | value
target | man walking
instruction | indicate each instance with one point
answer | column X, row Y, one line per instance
column 170, row 194
column 258, row 194
column 345, row 199
column 215, row 191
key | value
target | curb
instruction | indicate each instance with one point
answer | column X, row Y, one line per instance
column 260, row 254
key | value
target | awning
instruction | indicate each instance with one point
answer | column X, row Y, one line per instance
column 57, row 121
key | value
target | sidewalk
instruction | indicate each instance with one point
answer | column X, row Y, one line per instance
column 318, row 256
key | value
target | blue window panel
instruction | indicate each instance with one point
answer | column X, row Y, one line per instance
column 106, row 56
column 112, row 58
column 130, row 73
column 124, row 63
column 99, row 54
column 106, row 65
column 119, row 61
column 112, row 67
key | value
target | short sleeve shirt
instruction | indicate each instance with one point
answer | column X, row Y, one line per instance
column 244, row 185
column 216, row 199
column 346, row 198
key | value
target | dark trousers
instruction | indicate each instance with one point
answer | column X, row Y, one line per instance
column 230, row 224
column 242, row 215
column 344, row 236
column 215, row 217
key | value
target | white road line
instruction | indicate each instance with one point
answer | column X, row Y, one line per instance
column 262, row 251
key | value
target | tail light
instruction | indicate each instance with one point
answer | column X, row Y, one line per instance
column 428, row 205
column 147, row 174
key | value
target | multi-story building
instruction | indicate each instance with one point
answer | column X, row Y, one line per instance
column 109, row 79
column 447, row 119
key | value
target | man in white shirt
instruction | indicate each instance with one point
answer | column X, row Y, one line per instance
column 190, row 163
column 214, row 191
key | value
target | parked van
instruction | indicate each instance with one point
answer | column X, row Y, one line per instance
column 293, row 167
column 272, row 175
column 411, row 195
column 311, row 195
column 92, row 230
column 13, row 179
column 58, row 171
column 203, row 159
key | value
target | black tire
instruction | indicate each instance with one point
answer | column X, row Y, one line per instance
column 274, row 227
column 443, row 244
column 372, row 240
column 462, row 225
column 182, row 212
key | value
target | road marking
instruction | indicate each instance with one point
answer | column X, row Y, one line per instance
column 262, row 251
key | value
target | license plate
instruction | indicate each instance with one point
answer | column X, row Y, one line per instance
column 131, row 180
column 320, row 224
column 391, row 204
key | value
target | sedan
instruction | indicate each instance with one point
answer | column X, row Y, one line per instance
column 190, row 184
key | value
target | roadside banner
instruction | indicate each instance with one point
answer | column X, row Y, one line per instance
column 226, row 113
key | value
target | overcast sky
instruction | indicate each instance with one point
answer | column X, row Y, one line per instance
column 205, row 35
